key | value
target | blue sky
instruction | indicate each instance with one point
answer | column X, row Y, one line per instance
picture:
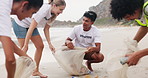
column 75, row 9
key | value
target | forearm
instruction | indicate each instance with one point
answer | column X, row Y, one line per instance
column 30, row 31
column 10, row 47
column 141, row 33
column 95, row 49
column 47, row 34
column 142, row 53
column 18, row 51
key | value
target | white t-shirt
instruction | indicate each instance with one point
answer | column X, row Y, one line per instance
column 85, row 38
column 41, row 17
column 5, row 21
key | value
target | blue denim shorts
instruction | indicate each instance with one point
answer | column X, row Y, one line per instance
column 21, row 32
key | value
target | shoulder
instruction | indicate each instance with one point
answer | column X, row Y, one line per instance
column 95, row 28
column 77, row 27
column 45, row 7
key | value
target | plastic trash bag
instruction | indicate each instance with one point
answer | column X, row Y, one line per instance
column 113, row 66
column 24, row 67
column 71, row 60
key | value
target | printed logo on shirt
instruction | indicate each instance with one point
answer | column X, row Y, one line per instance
column 46, row 18
column 89, row 37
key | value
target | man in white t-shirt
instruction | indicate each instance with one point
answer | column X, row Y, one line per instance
column 87, row 36
column 21, row 8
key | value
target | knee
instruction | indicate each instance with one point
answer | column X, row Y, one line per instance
column 101, row 57
column 10, row 59
column 40, row 47
column 98, row 57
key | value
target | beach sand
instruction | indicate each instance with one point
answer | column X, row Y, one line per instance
column 112, row 38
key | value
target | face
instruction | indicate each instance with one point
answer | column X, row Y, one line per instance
column 86, row 23
column 21, row 10
column 136, row 15
column 58, row 9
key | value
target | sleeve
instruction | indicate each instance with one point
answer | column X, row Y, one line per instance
column 97, row 37
column 41, row 13
column 72, row 34
column 5, row 20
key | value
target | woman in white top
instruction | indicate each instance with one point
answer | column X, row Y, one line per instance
column 26, row 29
column 21, row 8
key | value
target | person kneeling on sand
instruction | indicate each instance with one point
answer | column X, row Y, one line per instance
column 87, row 36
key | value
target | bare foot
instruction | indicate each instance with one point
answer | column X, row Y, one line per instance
column 39, row 74
column 89, row 65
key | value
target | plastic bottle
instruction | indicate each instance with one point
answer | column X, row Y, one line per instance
column 123, row 60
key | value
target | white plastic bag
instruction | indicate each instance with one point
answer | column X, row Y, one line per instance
column 24, row 67
column 71, row 60
column 114, row 68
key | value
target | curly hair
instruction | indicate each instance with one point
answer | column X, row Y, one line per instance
column 120, row 8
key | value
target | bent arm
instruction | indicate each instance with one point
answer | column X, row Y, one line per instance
column 95, row 49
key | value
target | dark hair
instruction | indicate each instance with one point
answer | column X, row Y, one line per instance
column 120, row 8
column 32, row 3
column 91, row 15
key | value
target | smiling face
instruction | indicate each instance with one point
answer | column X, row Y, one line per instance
column 57, row 9
column 86, row 23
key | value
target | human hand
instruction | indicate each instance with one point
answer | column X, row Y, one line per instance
column 133, row 59
column 52, row 48
column 25, row 48
column 69, row 44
